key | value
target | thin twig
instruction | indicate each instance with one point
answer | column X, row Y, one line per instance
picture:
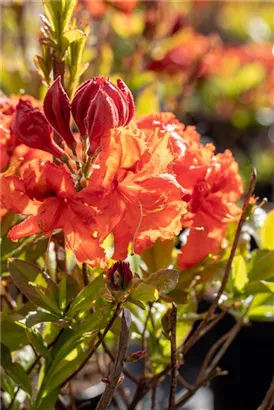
column 233, row 333
column 153, row 398
column 205, row 330
column 112, row 358
column 268, row 401
column 173, row 385
column 119, row 362
column 72, row 403
column 123, row 394
column 143, row 339
column 226, row 340
column 211, row 311
column 189, row 394
column 186, row 385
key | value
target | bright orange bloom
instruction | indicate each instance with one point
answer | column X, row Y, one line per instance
column 213, row 188
column 136, row 199
column 186, row 56
column 212, row 185
column 98, row 7
column 46, row 194
column 12, row 152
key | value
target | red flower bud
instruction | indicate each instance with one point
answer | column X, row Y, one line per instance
column 99, row 105
column 57, row 110
column 133, row 357
column 119, row 276
column 30, row 126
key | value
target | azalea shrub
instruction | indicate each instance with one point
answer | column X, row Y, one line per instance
column 117, row 220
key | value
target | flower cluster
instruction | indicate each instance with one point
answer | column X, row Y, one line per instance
column 97, row 8
column 139, row 179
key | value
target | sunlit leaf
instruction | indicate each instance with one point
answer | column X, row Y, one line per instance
column 88, row 295
column 159, row 256
column 15, row 370
column 261, row 265
column 267, row 232
column 13, row 333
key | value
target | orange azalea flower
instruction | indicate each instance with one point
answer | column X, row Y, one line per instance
column 12, row 153
column 212, row 186
column 193, row 47
column 98, row 7
column 136, row 199
column 215, row 188
column 46, row 194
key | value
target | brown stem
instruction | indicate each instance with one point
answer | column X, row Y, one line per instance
column 268, row 401
column 189, row 394
column 153, row 398
column 123, row 394
column 85, row 274
column 172, row 394
column 186, row 385
column 58, row 69
column 205, row 330
column 60, row 251
column 215, row 302
column 112, row 358
column 226, row 340
column 119, row 362
column 72, row 403
column 143, row 340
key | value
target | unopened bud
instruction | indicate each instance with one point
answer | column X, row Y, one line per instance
column 133, row 357
column 31, row 127
column 98, row 106
column 121, row 379
column 57, row 110
column 119, row 276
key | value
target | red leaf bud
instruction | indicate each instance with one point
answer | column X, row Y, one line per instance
column 31, row 127
column 133, row 357
column 119, row 276
column 57, row 110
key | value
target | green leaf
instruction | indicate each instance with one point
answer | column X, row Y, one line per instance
column 145, row 293
column 6, row 360
column 47, row 402
column 60, row 370
column 158, row 256
column 71, row 36
column 87, row 296
column 239, row 273
column 37, row 286
column 40, row 316
column 14, row 370
column 41, row 67
column 261, row 265
column 59, row 14
column 267, row 232
column 262, row 308
column 7, row 385
column 63, row 293
column 36, row 340
column 260, row 286
column 13, row 333
column 70, row 338
column 68, row 10
column 164, row 280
